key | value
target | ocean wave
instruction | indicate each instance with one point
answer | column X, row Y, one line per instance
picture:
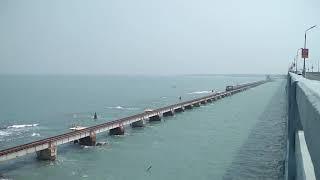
column 3, row 178
column 122, row 108
column 35, row 134
column 21, row 126
column 200, row 92
column 4, row 133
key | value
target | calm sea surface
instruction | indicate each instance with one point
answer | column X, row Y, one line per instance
column 238, row 137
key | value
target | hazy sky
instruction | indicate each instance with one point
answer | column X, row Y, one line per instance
column 155, row 37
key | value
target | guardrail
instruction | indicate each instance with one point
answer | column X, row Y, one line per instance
column 302, row 128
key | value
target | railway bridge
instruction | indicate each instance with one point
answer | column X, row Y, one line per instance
column 46, row 149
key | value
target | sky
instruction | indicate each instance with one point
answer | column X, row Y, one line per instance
column 155, row 37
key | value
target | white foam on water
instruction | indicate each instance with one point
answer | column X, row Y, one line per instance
column 35, row 134
column 4, row 133
column 85, row 176
column 200, row 92
column 122, row 108
column 22, row 126
column 17, row 130
column 114, row 107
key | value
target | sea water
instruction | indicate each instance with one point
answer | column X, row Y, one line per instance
column 238, row 137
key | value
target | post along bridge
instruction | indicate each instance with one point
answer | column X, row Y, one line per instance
column 46, row 149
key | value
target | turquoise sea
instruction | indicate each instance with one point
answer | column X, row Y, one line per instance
column 238, row 137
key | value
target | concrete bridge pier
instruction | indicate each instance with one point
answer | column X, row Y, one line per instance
column 155, row 118
column 203, row 102
column 117, row 131
column 179, row 109
column 168, row 113
column 49, row 154
column 196, row 104
column 89, row 140
column 209, row 100
column 188, row 106
column 140, row 123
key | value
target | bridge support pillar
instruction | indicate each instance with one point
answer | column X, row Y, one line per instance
column 117, row 131
column 188, row 106
column 155, row 118
column 168, row 113
column 49, row 154
column 209, row 100
column 89, row 140
column 203, row 102
column 179, row 109
column 140, row 123
column 196, row 104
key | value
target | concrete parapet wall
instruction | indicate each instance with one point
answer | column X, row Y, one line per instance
column 303, row 114
column 304, row 165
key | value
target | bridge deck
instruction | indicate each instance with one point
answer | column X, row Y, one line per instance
column 35, row 146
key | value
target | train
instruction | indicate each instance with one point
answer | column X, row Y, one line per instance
column 239, row 86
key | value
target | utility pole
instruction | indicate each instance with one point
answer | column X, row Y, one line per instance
column 305, row 46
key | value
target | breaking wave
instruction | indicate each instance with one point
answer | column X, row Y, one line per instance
column 200, row 92
column 3, row 133
column 35, row 134
column 122, row 108
column 22, row 126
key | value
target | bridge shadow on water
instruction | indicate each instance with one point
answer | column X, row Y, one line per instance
column 262, row 154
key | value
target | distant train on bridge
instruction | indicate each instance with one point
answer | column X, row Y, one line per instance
column 239, row 86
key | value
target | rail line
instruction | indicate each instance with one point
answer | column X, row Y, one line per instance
column 54, row 141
